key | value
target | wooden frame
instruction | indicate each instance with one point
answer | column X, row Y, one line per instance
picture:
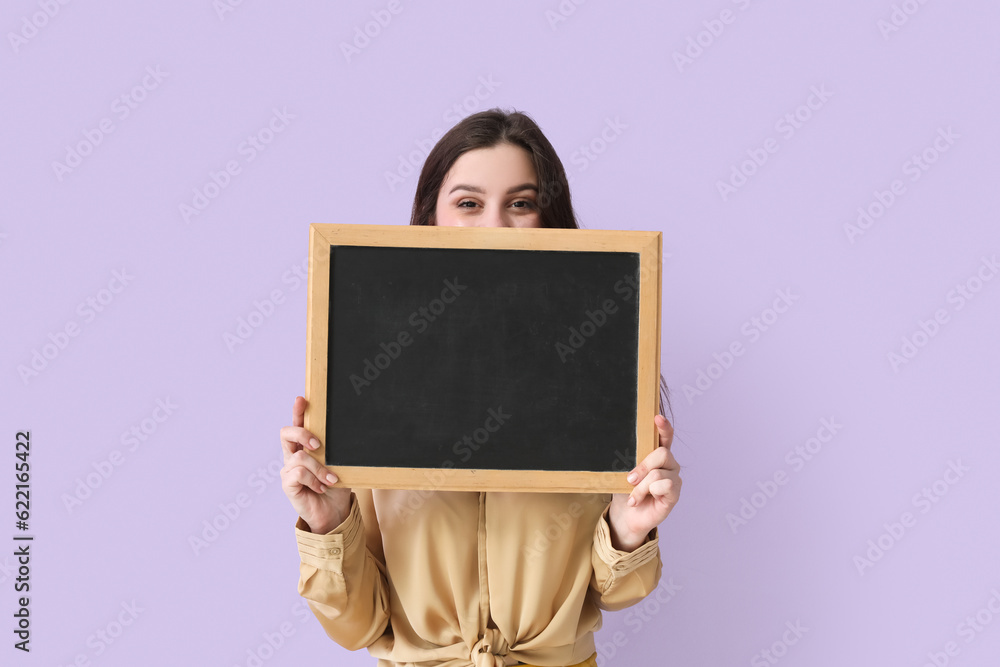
column 647, row 244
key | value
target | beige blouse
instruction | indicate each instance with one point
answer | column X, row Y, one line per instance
column 460, row 579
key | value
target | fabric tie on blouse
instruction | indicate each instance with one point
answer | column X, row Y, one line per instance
column 490, row 650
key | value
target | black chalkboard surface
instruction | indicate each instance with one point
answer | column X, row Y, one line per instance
column 447, row 352
column 492, row 377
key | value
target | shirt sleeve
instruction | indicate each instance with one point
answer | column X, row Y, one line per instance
column 344, row 584
column 620, row 578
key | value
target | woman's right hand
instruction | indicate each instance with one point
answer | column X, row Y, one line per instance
column 306, row 481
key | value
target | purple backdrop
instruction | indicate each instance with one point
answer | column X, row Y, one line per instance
column 824, row 175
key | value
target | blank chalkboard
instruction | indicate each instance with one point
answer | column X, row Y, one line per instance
column 473, row 358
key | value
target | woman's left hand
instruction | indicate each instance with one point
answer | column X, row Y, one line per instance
column 657, row 484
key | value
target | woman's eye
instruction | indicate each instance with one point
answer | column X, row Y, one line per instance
column 523, row 203
column 466, row 204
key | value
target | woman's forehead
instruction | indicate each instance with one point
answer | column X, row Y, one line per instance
column 496, row 168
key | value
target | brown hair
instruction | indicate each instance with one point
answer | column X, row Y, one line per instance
column 485, row 130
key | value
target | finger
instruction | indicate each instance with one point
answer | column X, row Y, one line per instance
column 658, row 458
column 671, row 463
column 299, row 411
column 653, row 484
column 296, row 438
column 666, row 488
column 321, row 472
column 298, row 477
column 665, row 430
column 640, row 492
column 317, row 469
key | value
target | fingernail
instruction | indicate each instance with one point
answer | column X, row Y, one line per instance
column 330, row 477
column 632, row 477
column 322, row 489
column 314, row 443
column 631, row 501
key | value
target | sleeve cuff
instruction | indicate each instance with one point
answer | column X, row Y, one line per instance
column 326, row 552
column 624, row 562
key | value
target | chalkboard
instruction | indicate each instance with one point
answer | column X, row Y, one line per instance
column 474, row 358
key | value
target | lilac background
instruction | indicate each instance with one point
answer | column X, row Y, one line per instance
column 727, row 594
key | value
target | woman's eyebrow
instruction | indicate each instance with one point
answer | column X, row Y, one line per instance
column 473, row 188
column 470, row 188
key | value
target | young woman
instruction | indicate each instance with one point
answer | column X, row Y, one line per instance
column 453, row 579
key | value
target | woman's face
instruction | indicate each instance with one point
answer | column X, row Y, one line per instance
column 490, row 187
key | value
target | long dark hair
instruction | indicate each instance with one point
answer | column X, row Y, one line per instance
column 487, row 129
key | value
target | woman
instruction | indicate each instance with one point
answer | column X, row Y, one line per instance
column 452, row 579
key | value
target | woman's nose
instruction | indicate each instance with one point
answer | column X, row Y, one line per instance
column 494, row 216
